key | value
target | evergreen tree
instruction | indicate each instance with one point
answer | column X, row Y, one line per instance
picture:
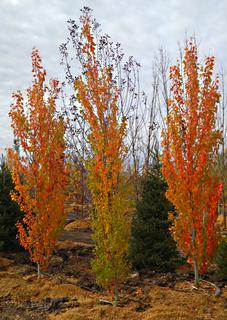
column 152, row 246
column 9, row 210
column 221, row 259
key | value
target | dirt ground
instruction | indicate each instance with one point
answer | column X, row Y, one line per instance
column 67, row 290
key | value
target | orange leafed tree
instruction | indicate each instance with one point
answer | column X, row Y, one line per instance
column 190, row 152
column 98, row 96
column 38, row 165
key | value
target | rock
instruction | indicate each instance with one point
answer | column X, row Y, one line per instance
column 134, row 275
column 53, row 304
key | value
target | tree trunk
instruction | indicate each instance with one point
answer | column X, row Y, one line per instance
column 195, row 260
column 224, row 214
column 196, row 272
column 38, row 270
column 116, row 291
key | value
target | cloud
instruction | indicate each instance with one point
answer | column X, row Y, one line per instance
column 142, row 26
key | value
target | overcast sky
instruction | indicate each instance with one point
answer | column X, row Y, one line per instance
column 141, row 26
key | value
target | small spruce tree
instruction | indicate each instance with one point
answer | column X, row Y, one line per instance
column 152, row 246
column 9, row 210
column 221, row 259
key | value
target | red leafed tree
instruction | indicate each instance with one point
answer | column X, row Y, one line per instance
column 190, row 151
column 38, row 165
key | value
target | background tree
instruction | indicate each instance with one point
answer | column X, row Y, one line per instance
column 131, row 100
column 221, row 259
column 152, row 246
column 38, row 168
column 190, row 153
column 222, row 160
column 9, row 210
column 98, row 94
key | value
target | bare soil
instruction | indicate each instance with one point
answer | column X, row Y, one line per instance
column 67, row 290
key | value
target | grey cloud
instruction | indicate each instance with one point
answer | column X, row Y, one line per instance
column 142, row 26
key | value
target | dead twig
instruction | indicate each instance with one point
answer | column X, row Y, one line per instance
column 217, row 292
column 101, row 301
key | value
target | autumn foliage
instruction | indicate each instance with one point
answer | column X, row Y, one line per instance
column 190, row 150
column 38, row 165
column 98, row 96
